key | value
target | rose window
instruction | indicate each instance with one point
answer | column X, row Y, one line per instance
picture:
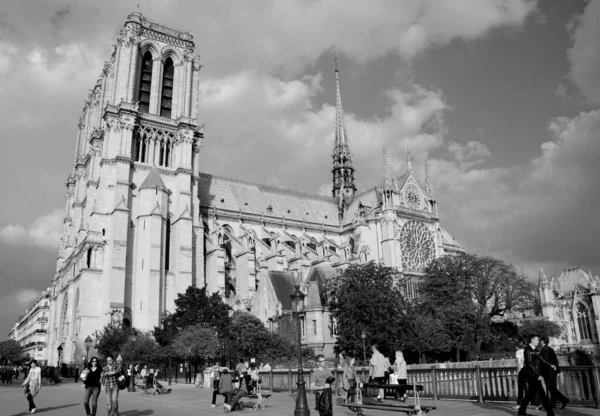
column 417, row 245
column 413, row 197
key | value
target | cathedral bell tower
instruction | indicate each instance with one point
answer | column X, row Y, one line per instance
column 344, row 188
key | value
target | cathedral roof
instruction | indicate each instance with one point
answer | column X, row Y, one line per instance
column 371, row 198
column 238, row 196
column 573, row 278
column 283, row 285
column 153, row 180
column 447, row 239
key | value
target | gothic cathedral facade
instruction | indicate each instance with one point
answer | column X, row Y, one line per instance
column 143, row 222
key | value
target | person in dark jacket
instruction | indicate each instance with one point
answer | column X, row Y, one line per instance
column 534, row 378
column 225, row 388
column 550, row 371
column 92, row 386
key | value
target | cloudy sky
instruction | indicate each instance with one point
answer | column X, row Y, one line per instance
column 504, row 96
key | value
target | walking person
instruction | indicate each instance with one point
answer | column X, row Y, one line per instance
column 551, row 372
column 401, row 375
column 321, row 381
column 92, row 386
column 32, row 384
column 109, row 380
column 521, row 377
column 377, row 370
column 349, row 378
column 534, row 378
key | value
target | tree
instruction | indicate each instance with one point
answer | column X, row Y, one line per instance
column 248, row 335
column 424, row 333
column 10, row 350
column 446, row 294
column 539, row 326
column 193, row 307
column 366, row 297
column 197, row 342
column 111, row 338
column 144, row 348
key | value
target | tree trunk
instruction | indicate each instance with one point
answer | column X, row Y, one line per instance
column 420, row 357
column 457, row 354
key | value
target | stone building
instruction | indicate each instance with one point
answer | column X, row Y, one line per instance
column 572, row 300
column 143, row 222
column 30, row 329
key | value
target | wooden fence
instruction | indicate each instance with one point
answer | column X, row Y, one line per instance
column 580, row 383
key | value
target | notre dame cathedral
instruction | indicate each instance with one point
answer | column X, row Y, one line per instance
column 143, row 222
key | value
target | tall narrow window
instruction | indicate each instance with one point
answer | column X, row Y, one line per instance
column 168, row 246
column 145, row 83
column 314, row 327
column 583, row 321
column 166, row 97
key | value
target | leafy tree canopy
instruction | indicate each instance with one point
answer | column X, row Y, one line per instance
column 10, row 350
column 193, row 307
column 367, row 297
column 197, row 341
column 248, row 335
column 111, row 338
column 144, row 348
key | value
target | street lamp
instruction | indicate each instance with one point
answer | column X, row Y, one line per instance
column 363, row 335
column 302, row 408
column 132, row 338
column 88, row 344
column 166, row 319
column 59, row 350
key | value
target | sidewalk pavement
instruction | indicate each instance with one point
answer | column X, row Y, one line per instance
column 185, row 400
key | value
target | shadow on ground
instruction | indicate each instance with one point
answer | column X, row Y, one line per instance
column 509, row 409
column 137, row 413
column 47, row 409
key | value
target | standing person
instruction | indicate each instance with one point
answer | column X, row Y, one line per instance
column 349, row 378
column 92, row 386
column 551, row 371
column 320, row 386
column 241, row 369
column 214, row 377
column 225, row 388
column 534, row 378
column 109, row 380
column 521, row 376
column 144, row 374
column 377, row 370
column 400, row 373
column 32, row 384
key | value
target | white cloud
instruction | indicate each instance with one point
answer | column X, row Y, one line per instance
column 584, row 55
column 43, row 232
column 258, row 114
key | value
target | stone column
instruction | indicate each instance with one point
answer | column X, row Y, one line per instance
column 157, row 67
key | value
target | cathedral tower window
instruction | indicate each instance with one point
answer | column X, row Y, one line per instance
column 89, row 257
column 145, row 82
column 583, row 321
column 166, row 97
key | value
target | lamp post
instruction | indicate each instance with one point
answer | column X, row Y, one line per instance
column 302, row 408
column 133, row 339
column 59, row 350
column 167, row 320
column 88, row 344
column 363, row 335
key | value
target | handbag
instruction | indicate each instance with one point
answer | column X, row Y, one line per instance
column 122, row 381
column 84, row 374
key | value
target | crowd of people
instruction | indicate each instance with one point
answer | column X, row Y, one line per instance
column 8, row 372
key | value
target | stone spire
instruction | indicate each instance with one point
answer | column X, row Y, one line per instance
column 428, row 187
column 387, row 180
column 343, row 171
column 408, row 164
column 543, row 280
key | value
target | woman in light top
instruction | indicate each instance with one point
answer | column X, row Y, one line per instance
column 32, row 384
column 400, row 373
column 349, row 379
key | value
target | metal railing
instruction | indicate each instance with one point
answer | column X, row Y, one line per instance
column 580, row 383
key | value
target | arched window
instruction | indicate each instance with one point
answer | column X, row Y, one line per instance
column 145, row 83
column 64, row 325
column 166, row 95
column 168, row 246
column 351, row 243
column 583, row 321
column 89, row 257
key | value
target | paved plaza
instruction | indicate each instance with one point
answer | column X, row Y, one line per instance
column 186, row 400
